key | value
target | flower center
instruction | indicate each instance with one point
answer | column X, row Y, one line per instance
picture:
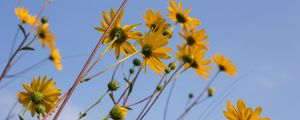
column 180, row 18
column 190, row 40
column 194, row 64
column 147, row 50
column 36, row 97
column 119, row 34
column 187, row 58
column 222, row 68
column 154, row 27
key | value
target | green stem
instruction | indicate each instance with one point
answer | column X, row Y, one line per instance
column 110, row 67
column 100, row 57
column 81, row 115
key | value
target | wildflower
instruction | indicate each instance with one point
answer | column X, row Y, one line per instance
column 55, row 57
column 40, row 96
column 180, row 16
column 152, row 51
column 242, row 112
column 45, row 36
column 193, row 57
column 24, row 16
column 118, row 113
column 119, row 34
column 224, row 64
column 194, row 38
column 113, row 85
column 155, row 21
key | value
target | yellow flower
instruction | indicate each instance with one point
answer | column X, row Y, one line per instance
column 195, row 38
column 155, row 21
column 120, row 34
column 118, row 113
column 55, row 57
column 24, row 16
column 224, row 64
column 242, row 112
column 193, row 57
column 152, row 51
column 180, row 16
column 45, row 36
column 40, row 96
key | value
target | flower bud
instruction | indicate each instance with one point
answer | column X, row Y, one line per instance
column 113, row 85
column 131, row 70
column 136, row 62
column 211, row 91
column 167, row 71
column 172, row 65
column 40, row 109
column 44, row 20
column 158, row 88
column 191, row 95
column 118, row 113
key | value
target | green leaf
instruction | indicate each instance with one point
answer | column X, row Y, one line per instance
column 22, row 29
column 27, row 48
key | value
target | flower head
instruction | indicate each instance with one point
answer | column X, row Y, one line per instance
column 45, row 36
column 119, row 34
column 155, row 21
column 40, row 96
column 194, row 38
column 180, row 16
column 194, row 57
column 224, row 64
column 55, row 57
column 24, row 16
column 242, row 112
column 118, row 113
column 152, row 51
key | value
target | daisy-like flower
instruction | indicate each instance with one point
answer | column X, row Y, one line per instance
column 152, row 51
column 40, row 95
column 194, row 38
column 179, row 16
column 55, row 57
column 45, row 36
column 194, row 57
column 224, row 64
column 155, row 21
column 119, row 34
column 242, row 112
column 24, row 16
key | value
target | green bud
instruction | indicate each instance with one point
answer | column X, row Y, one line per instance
column 131, row 70
column 118, row 113
column 211, row 91
column 113, row 85
column 40, row 109
column 172, row 65
column 44, row 20
column 159, row 88
column 136, row 62
column 191, row 95
column 167, row 71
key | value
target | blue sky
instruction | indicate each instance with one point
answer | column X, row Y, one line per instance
column 260, row 36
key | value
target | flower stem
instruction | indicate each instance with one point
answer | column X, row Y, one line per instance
column 110, row 67
column 196, row 101
column 81, row 115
